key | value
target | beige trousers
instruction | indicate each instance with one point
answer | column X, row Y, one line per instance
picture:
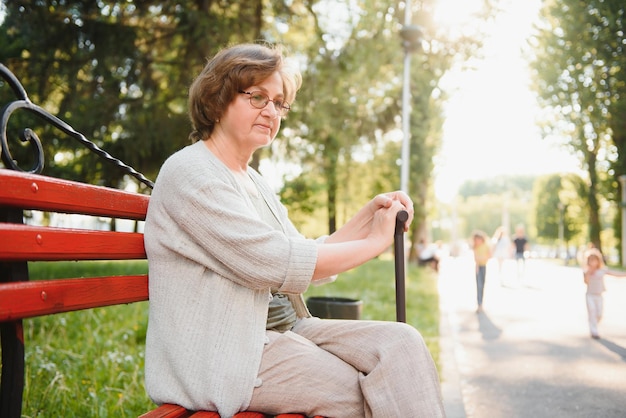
column 348, row 368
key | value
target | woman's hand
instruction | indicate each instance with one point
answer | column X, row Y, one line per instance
column 383, row 223
column 360, row 226
column 385, row 200
column 364, row 236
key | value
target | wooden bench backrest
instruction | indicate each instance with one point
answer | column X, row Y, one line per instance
column 22, row 243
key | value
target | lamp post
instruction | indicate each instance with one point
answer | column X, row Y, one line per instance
column 411, row 37
column 622, row 182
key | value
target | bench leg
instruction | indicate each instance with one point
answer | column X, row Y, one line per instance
column 12, row 337
column 12, row 383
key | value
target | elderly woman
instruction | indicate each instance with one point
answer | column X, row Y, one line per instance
column 228, row 328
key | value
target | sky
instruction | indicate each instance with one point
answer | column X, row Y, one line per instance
column 489, row 127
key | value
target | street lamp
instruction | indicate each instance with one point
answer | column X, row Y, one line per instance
column 411, row 36
column 411, row 39
column 622, row 182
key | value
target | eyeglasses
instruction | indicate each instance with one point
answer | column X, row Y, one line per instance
column 259, row 100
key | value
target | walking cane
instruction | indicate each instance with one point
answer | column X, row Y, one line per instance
column 398, row 246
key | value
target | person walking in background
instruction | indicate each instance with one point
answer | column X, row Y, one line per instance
column 501, row 248
column 520, row 243
column 594, row 271
column 482, row 254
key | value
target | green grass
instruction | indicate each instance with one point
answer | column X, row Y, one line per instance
column 87, row 363
column 90, row 363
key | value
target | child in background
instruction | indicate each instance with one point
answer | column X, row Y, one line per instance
column 594, row 271
column 482, row 254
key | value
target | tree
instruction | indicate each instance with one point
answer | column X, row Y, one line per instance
column 118, row 71
column 355, row 78
column 441, row 50
column 490, row 203
column 559, row 207
column 347, row 96
column 578, row 56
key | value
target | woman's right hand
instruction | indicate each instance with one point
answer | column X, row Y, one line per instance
column 336, row 256
column 365, row 236
column 384, row 224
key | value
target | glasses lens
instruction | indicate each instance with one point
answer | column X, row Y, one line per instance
column 282, row 106
column 259, row 100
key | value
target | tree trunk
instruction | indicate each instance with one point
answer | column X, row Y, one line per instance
column 594, row 207
column 330, row 171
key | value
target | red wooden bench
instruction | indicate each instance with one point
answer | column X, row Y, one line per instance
column 21, row 243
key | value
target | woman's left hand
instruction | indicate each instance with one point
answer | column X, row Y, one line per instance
column 385, row 200
column 360, row 225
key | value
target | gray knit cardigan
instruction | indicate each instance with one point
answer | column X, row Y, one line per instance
column 212, row 262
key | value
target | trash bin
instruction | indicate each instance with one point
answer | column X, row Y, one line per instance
column 334, row 307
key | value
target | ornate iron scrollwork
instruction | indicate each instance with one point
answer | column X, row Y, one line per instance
column 28, row 135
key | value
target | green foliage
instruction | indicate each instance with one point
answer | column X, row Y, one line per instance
column 359, row 181
column 515, row 185
column 119, row 72
column 346, row 96
column 559, row 202
column 90, row 363
column 579, row 61
column 302, row 196
column 441, row 49
column 489, row 203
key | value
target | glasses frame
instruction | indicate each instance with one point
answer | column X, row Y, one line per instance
column 281, row 105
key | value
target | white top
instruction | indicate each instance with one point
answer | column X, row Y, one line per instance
column 595, row 282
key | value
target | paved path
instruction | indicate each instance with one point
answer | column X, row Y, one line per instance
column 529, row 354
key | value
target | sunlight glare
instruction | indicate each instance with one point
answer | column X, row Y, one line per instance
column 490, row 126
column 453, row 13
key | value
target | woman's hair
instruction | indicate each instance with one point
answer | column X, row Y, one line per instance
column 229, row 71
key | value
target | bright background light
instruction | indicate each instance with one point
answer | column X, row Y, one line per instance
column 490, row 127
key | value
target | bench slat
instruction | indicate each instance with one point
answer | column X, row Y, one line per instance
column 36, row 243
column 20, row 300
column 176, row 411
column 33, row 191
column 167, row 411
column 295, row 416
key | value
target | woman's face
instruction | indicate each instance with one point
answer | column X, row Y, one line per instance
column 249, row 127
